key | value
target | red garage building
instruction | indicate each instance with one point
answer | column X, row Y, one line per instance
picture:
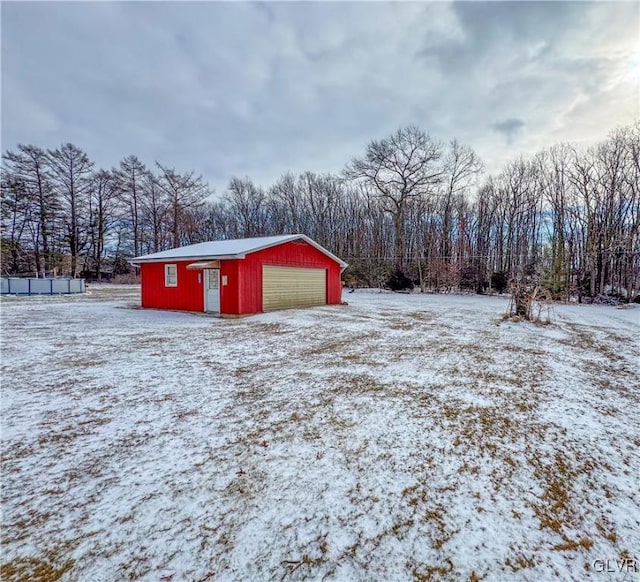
column 242, row 276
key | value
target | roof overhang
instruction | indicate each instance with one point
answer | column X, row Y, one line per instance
column 138, row 261
column 203, row 265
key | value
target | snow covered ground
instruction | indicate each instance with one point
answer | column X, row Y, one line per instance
column 402, row 437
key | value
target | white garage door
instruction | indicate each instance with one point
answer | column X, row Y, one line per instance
column 284, row 287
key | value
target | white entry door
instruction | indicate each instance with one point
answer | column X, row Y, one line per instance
column 212, row 290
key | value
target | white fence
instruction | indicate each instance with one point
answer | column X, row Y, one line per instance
column 15, row 286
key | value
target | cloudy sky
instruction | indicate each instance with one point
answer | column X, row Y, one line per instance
column 257, row 89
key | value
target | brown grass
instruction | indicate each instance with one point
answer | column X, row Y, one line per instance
column 47, row 568
column 520, row 562
column 573, row 545
column 430, row 572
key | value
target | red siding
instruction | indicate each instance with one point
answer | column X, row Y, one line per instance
column 243, row 292
column 229, row 292
column 290, row 254
column 187, row 296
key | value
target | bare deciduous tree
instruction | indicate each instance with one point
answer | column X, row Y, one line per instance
column 183, row 192
column 399, row 169
column 103, row 215
column 71, row 176
column 130, row 176
column 247, row 203
column 29, row 165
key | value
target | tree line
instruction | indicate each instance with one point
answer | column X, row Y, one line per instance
column 409, row 209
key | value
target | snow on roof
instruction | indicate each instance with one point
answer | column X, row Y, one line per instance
column 229, row 249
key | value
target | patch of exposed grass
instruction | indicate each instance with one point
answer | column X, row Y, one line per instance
column 81, row 362
column 479, row 424
column 361, row 384
column 573, row 545
column 49, row 567
column 398, row 530
column 420, row 315
column 553, row 511
column 415, row 494
column 522, row 351
column 558, row 476
column 520, row 562
column 329, row 347
column 402, row 325
column 16, row 450
column 605, row 527
column 314, row 558
column 20, row 528
column 146, row 340
column 271, row 328
column 363, row 359
column 182, row 415
column 432, row 572
column 581, row 338
column 342, row 346
column 58, row 438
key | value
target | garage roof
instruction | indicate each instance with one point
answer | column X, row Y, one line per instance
column 229, row 249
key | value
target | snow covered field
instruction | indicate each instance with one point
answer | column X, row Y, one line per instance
column 402, row 437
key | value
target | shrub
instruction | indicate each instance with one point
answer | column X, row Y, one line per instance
column 472, row 278
column 399, row 281
column 499, row 281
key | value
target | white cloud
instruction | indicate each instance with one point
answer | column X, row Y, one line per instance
column 259, row 89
